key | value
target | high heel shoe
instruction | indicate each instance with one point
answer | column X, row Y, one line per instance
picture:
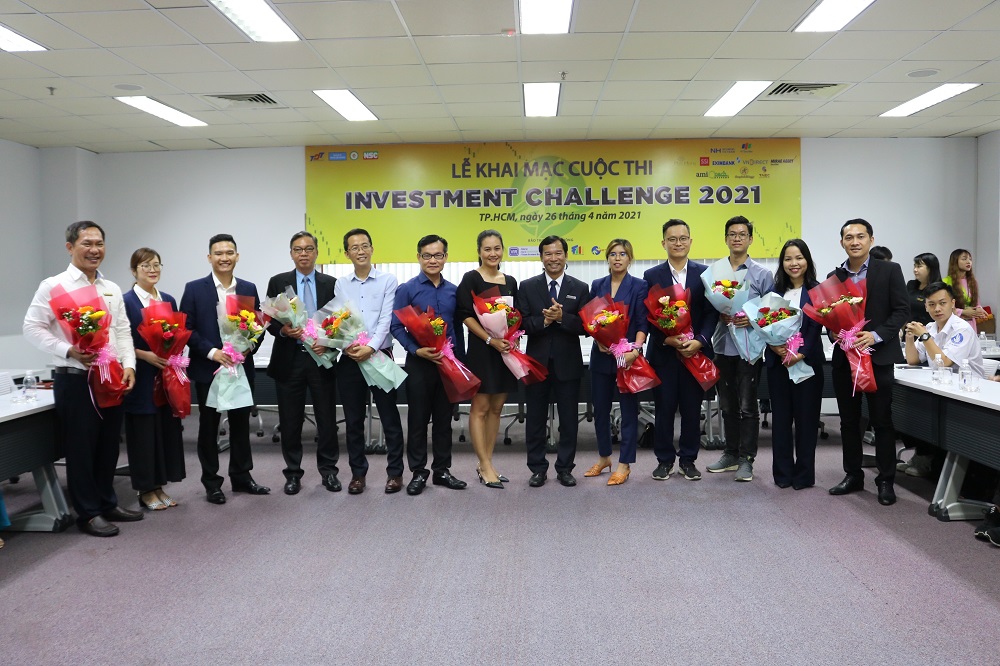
column 155, row 505
column 619, row 477
column 502, row 479
column 168, row 500
column 489, row 484
column 597, row 468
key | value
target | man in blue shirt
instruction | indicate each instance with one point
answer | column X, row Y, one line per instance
column 371, row 291
column 426, row 395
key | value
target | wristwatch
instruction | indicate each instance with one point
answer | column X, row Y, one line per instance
column 925, row 337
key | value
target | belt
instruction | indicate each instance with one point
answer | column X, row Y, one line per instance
column 64, row 370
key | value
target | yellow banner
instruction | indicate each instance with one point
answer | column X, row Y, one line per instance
column 587, row 192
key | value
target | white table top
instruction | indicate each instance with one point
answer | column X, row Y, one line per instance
column 10, row 411
column 988, row 395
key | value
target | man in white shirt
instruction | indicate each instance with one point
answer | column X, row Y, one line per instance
column 948, row 335
column 90, row 434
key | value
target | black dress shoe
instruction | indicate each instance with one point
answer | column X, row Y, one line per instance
column 356, row 486
column 97, row 526
column 120, row 515
column 537, row 480
column 444, row 478
column 251, row 487
column 417, row 485
column 886, row 494
column 332, row 483
column 292, row 486
column 782, row 484
column 566, row 478
column 850, row 484
column 216, row 496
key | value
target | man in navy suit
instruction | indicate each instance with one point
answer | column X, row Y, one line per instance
column 678, row 386
column 550, row 308
column 203, row 302
column 293, row 370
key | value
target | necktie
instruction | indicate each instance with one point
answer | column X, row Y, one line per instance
column 552, row 289
column 308, row 298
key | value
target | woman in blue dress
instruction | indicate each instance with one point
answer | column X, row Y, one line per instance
column 631, row 291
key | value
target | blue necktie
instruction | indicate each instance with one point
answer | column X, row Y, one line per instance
column 308, row 298
column 552, row 289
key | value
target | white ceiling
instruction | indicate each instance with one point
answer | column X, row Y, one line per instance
column 441, row 71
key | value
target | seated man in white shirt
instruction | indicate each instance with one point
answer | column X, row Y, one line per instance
column 948, row 335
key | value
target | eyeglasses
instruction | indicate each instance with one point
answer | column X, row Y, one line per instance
column 617, row 255
column 309, row 249
column 733, row 235
column 150, row 267
column 677, row 240
column 437, row 256
column 364, row 247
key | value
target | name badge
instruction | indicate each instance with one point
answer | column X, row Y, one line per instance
column 571, row 296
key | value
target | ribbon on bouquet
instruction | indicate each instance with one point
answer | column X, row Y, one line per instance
column 517, row 334
column 845, row 340
column 229, row 350
column 309, row 330
column 620, row 348
column 362, row 339
column 448, row 351
column 793, row 345
column 180, row 363
column 103, row 362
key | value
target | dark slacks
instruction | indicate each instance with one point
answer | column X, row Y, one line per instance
column 354, row 393
column 798, row 405
column 155, row 447
column 566, row 394
column 678, row 389
column 322, row 384
column 603, row 390
column 737, row 388
column 240, row 457
column 90, row 443
column 879, row 416
column 428, row 403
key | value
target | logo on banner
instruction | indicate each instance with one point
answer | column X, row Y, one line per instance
column 337, row 157
column 745, row 147
column 576, row 249
column 596, row 251
column 703, row 161
column 371, row 155
column 354, row 154
column 317, row 156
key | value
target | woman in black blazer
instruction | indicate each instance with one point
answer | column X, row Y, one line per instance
column 795, row 457
column 152, row 434
column 631, row 291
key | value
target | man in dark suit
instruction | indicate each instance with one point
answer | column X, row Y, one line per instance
column 886, row 309
column 294, row 369
column 550, row 306
column 203, row 302
column 678, row 387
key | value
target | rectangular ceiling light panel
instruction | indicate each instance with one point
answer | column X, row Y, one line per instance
column 936, row 96
column 545, row 17
column 257, row 20
column 832, row 15
column 161, row 110
column 13, row 42
column 541, row 99
column 346, row 104
column 737, row 97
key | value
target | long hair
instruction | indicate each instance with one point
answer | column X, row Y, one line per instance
column 970, row 298
column 782, row 282
column 933, row 266
column 483, row 235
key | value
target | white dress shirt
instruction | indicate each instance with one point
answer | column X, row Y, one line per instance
column 957, row 341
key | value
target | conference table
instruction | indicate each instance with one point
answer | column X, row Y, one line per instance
column 28, row 444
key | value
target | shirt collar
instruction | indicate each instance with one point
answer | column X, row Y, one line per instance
column 218, row 284
column 677, row 271
column 559, row 280
column 371, row 276
column 143, row 294
column 77, row 274
column 299, row 277
column 863, row 269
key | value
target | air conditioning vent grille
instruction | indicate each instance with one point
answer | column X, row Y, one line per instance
column 806, row 90
column 244, row 101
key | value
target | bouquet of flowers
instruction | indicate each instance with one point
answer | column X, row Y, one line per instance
column 497, row 315
column 607, row 322
column 83, row 316
column 166, row 333
column 430, row 331
column 669, row 311
column 727, row 291
column 778, row 323
column 840, row 307
column 241, row 330
column 289, row 309
column 340, row 326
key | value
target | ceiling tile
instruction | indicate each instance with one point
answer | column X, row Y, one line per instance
column 206, row 25
column 629, row 90
column 412, row 111
column 773, row 45
column 173, row 59
column 489, row 122
column 89, row 62
column 15, row 67
column 745, row 69
column 446, row 74
column 131, row 28
column 888, row 15
column 249, row 142
column 457, row 17
column 601, row 15
column 105, row 85
column 950, row 71
column 76, row 6
column 399, row 95
column 283, row 55
column 629, row 108
column 577, row 70
column 366, row 52
column 835, row 71
column 884, row 92
column 502, row 92
column 486, row 108
column 646, row 45
column 776, row 15
column 45, row 31
column 422, row 124
column 302, row 80
column 333, row 20
column 569, row 47
column 382, row 77
column 465, row 49
column 212, row 82
column 677, row 16
column 882, row 45
column 655, row 70
column 48, row 87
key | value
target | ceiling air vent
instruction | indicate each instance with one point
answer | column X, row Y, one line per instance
column 244, row 101
column 806, row 90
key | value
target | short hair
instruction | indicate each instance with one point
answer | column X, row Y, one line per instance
column 430, row 239
column 881, row 252
column 627, row 246
column 858, row 220
column 933, row 266
column 357, row 232
column 221, row 238
column 673, row 222
column 739, row 219
column 549, row 240
column 302, row 234
column 935, row 287
column 141, row 256
column 782, row 283
column 73, row 230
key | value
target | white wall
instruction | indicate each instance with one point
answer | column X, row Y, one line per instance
column 987, row 257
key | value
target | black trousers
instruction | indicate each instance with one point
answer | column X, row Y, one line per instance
column 879, row 416
column 155, row 447
column 737, row 388
column 678, row 389
column 566, row 394
column 89, row 439
column 354, row 393
column 427, row 403
column 798, row 404
column 240, row 458
column 322, row 385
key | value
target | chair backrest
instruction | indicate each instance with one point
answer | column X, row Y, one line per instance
column 6, row 383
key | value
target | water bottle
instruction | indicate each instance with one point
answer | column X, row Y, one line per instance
column 983, row 342
column 967, row 379
column 937, row 369
column 946, row 374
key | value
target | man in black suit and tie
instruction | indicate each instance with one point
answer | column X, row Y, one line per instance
column 203, row 302
column 294, row 369
column 550, row 304
column 886, row 309
column 678, row 387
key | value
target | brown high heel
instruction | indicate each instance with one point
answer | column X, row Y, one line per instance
column 619, row 477
column 597, row 469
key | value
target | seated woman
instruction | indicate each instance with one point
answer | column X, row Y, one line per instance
column 926, row 269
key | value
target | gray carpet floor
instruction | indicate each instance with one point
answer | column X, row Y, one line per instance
column 671, row 572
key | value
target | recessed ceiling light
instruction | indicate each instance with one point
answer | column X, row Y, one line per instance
column 923, row 73
column 129, row 87
column 737, row 97
column 541, row 99
column 832, row 15
column 160, row 110
column 257, row 20
column 545, row 17
column 11, row 41
column 346, row 104
column 936, row 96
